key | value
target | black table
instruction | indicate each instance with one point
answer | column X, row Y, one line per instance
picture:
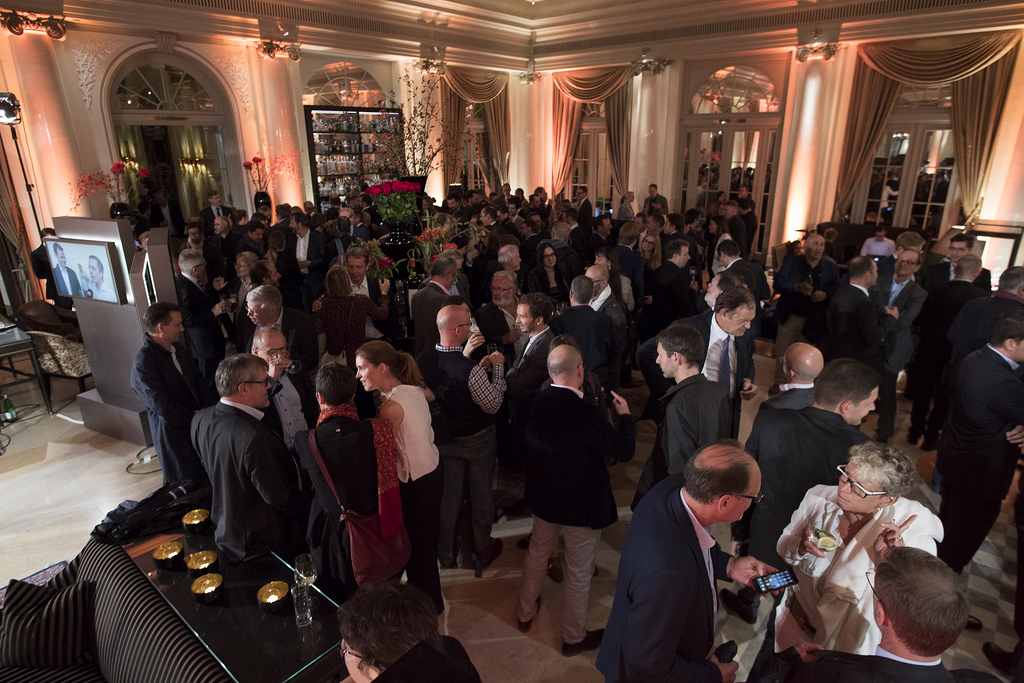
column 14, row 342
column 252, row 645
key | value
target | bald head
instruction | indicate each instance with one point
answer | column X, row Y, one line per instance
column 565, row 366
column 803, row 363
column 453, row 324
column 599, row 274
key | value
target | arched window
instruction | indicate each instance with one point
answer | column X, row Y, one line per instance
column 164, row 87
column 735, row 90
column 343, row 84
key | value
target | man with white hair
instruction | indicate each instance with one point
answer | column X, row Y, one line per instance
column 264, row 307
column 497, row 322
column 293, row 407
column 199, row 314
column 509, row 259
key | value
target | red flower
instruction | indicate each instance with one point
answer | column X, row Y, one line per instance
column 433, row 258
column 117, row 168
column 375, row 190
column 451, row 246
column 247, row 165
column 257, row 160
column 144, row 173
column 386, row 190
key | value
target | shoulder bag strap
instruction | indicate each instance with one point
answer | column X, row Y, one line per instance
column 323, row 468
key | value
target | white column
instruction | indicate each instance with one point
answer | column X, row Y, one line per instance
column 654, row 154
column 46, row 132
column 280, row 116
column 530, row 111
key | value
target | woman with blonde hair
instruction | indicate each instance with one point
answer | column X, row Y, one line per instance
column 421, row 479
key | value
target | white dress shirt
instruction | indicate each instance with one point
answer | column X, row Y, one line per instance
column 714, row 355
column 882, row 652
column 364, row 289
column 597, row 303
column 258, row 414
column 289, row 410
column 707, row 542
column 301, row 249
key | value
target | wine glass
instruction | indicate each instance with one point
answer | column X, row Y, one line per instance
column 305, row 575
column 293, row 369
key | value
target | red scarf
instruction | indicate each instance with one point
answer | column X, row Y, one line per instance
column 1000, row 294
column 389, row 500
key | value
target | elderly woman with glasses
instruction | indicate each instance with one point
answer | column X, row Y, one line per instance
column 838, row 535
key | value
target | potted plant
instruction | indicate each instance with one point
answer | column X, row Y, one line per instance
column 119, row 184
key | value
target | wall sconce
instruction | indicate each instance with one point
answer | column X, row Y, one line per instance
column 529, row 77
column 820, row 42
column 16, row 23
column 270, row 49
column 645, row 63
column 432, row 59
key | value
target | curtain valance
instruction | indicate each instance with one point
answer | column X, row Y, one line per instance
column 940, row 60
column 476, row 85
column 592, row 85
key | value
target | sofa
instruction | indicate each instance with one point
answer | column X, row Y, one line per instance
column 137, row 637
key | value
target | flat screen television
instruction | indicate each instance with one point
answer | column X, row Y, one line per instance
column 86, row 268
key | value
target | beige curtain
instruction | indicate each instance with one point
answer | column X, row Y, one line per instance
column 591, row 85
column 938, row 60
column 568, row 113
column 453, row 120
column 476, row 85
column 499, row 133
column 874, row 98
column 617, row 117
column 978, row 102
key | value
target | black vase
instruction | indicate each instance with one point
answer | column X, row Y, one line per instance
column 119, row 210
column 262, row 199
column 399, row 244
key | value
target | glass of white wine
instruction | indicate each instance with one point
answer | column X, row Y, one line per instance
column 305, row 575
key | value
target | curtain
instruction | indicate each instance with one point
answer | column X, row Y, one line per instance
column 617, row 116
column 475, row 85
column 499, row 133
column 591, row 85
column 940, row 60
column 568, row 113
column 874, row 98
column 453, row 119
column 978, row 102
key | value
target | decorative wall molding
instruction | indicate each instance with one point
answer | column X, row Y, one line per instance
column 88, row 57
column 236, row 70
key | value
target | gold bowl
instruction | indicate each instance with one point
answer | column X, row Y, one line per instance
column 207, row 588
column 273, row 596
column 197, row 521
column 203, row 562
column 168, row 555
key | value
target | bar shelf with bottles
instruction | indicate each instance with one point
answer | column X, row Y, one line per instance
column 343, row 145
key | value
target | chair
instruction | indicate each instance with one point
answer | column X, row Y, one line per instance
column 60, row 357
column 40, row 316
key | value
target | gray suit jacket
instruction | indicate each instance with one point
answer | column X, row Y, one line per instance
column 794, row 399
column 898, row 344
column 425, row 305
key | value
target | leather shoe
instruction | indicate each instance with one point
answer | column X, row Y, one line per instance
column 973, row 624
column 524, row 626
column 735, row 604
column 999, row 658
column 913, row 437
column 930, row 444
column 591, row 641
column 486, row 560
column 555, row 570
column 446, row 565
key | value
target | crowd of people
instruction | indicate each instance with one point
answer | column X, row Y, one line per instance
column 522, row 339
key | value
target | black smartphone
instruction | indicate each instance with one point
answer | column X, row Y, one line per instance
column 776, row 581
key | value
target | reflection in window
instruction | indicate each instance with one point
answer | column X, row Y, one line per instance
column 933, row 175
column 735, row 90
column 163, row 87
column 343, row 84
column 886, row 176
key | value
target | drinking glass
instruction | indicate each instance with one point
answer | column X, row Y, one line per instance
column 305, row 576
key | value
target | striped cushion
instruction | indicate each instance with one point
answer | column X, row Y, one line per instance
column 83, row 673
column 45, row 628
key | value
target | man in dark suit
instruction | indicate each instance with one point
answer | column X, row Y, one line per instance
column 920, row 608
column 797, row 450
column 802, row 364
column 578, row 238
column 293, row 407
column 199, row 314
column 569, row 491
column 569, row 262
column 41, row 269
column 429, row 299
column 64, row 279
column 215, row 264
column 309, row 253
column 907, row 297
column 591, row 330
column 264, row 308
column 937, row 316
column 972, row 326
column 530, row 370
column 728, row 253
column 906, row 240
column 258, row 505
column 654, row 202
column 943, row 272
column 672, row 297
column 253, row 239
column 213, row 211
column 228, row 243
column 980, row 444
column 661, row 627
column 856, row 325
column 696, row 412
column 167, row 214
column 167, row 382
column 584, row 212
column 601, row 237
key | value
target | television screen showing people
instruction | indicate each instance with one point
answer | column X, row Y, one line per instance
column 82, row 269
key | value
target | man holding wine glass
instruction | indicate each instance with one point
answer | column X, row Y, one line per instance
column 293, row 406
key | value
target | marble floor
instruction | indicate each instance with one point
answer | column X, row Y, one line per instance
column 58, row 479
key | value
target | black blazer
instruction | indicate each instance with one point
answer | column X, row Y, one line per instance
column 426, row 302
column 202, row 329
column 493, row 325
column 593, row 332
column 208, row 217
column 662, row 617
column 972, row 326
column 585, row 218
column 796, row 450
column 307, row 399
column 841, row 667
column 529, row 372
column 937, row 315
column 938, row 275
column 578, row 241
column 988, row 401
column 856, row 327
column 794, row 399
column 299, row 332
column 567, row 440
column 671, row 296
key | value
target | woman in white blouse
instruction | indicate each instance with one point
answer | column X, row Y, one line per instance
column 421, row 478
column 866, row 515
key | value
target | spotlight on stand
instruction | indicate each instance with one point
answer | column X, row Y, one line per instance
column 10, row 115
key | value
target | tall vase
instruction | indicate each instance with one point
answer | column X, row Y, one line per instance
column 119, row 210
column 262, row 199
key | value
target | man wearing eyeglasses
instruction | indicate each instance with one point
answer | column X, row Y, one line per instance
column 258, row 500
column 292, row 407
column 661, row 627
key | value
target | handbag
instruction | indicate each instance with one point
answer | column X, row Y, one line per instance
column 373, row 557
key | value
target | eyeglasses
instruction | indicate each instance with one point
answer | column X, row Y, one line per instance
column 502, row 289
column 265, row 381
column 345, row 652
column 757, row 499
column 867, row 575
column 854, row 486
column 283, row 351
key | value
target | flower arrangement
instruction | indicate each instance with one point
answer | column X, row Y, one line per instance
column 119, row 183
column 416, row 145
column 395, row 199
column 259, row 177
column 378, row 266
column 264, row 172
column 432, row 242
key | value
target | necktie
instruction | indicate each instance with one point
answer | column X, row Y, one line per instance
column 216, row 211
column 725, row 368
